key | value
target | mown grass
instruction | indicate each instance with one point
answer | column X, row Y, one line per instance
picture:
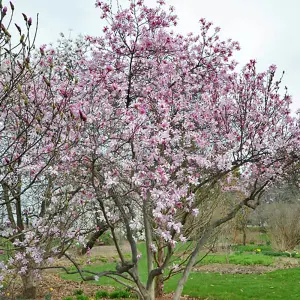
column 280, row 284
column 239, row 259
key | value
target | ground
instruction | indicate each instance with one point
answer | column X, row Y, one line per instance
column 219, row 279
column 59, row 288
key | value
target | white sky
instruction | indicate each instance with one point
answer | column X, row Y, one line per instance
column 268, row 30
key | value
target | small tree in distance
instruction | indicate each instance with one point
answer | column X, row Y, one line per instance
column 283, row 225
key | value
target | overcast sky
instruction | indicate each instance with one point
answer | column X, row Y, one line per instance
column 268, row 30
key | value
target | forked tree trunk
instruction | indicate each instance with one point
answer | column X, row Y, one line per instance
column 29, row 285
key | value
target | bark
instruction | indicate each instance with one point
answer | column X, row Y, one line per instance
column 202, row 241
column 244, row 236
column 47, row 197
column 91, row 243
column 8, row 205
column 148, row 235
column 159, row 286
column 159, row 282
column 29, row 286
column 17, row 195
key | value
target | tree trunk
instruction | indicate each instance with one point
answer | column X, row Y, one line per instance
column 159, row 286
column 201, row 242
column 244, row 235
column 148, row 235
column 159, row 282
column 29, row 285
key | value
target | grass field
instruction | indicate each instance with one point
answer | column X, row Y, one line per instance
column 239, row 259
column 280, row 284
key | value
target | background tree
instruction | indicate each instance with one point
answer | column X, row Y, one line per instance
column 40, row 203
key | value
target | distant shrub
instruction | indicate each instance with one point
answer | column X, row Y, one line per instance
column 251, row 248
column 283, row 254
column 106, row 238
column 82, row 297
column 101, row 294
column 103, row 259
column 284, row 226
column 119, row 294
column 78, row 292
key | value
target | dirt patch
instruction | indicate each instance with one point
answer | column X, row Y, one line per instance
column 52, row 283
column 109, row 251
column 279, row 264
column 234, row 269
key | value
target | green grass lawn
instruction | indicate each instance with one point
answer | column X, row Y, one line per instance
column 281, row 284
column 239, row 259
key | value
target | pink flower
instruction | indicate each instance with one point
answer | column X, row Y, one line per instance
column 82, row 116
column 109, row 68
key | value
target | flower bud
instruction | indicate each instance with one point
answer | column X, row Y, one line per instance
column 20, row 65
column 46, row 81
column 19, row 28
column 29, row 21
column 109, row 68
column 69, row 74
column 25, row 17
column 11, row 6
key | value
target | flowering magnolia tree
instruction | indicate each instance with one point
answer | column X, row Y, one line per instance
column 167, row 118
